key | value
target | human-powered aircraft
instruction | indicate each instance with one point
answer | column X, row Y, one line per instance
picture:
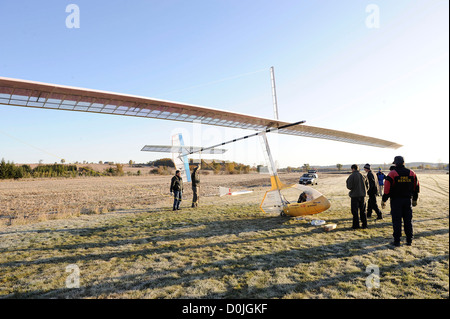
column 24, row 93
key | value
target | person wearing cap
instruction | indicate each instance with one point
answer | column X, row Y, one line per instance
column 176, row 187
column 195, row 178
column 381, row 176
column 402, row 187
column 372, row 192
column 357, row 184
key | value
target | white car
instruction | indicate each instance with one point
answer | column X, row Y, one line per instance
column 308, row 178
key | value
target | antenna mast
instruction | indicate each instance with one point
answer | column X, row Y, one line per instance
column 274, row 93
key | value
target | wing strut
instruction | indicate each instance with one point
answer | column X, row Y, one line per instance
column 273, row 129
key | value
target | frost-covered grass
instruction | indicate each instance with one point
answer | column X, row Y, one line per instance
column 229, row 250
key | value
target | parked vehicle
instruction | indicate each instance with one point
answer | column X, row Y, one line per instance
column 313, row 171
column 308, row 178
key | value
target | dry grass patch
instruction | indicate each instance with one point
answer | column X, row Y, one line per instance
column 228, row 248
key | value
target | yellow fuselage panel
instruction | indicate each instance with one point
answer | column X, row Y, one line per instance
column 277, row 184
column 315, row 206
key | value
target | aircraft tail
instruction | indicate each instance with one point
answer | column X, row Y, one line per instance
column 181, row 160
column 180, row 153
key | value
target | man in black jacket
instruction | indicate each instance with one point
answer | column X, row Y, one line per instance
column 402, row 187
column 357, row 184
column 195, row 178
column 372, row 192
column 176, row 187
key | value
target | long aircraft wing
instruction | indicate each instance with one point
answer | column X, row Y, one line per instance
column 58, row 97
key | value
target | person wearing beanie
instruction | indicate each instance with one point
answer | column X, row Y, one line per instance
column 372, row 192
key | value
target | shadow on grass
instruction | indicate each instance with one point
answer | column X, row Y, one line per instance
column 162, row 243
column 186, row 276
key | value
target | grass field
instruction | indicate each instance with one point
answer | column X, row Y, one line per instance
column 227, row 248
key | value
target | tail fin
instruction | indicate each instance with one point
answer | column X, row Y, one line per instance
column 180, row 159
column 180, row 153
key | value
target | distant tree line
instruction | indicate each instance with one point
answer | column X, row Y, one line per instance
column 167, row 162
column 221, row 167
column 165, row 166
column 8, row 170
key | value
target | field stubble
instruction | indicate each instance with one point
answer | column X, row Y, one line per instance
column 137, row 247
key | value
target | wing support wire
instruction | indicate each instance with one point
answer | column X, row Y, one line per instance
column 268, row 130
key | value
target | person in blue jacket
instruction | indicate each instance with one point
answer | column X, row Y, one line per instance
column 381, row 177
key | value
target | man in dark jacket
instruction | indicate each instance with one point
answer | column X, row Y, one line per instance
column 176, row 187
column 402, row 187
column 372, row 193
column 357, row 184
column 195, row 178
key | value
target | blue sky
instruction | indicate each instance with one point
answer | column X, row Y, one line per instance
column 331, row 70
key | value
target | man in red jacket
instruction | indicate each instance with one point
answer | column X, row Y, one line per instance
column 402, row 187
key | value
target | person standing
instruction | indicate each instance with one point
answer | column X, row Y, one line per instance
column 195, row 178
column 402, row 187
column 357, row 184
column 176, row 187
column 381, row 177
column 372, row 192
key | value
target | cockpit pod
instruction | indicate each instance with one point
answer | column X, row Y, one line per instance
column 294, row 200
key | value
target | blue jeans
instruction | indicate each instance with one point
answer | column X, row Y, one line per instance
column 176, row 199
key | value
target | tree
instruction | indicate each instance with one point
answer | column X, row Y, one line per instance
column 306, row 167
column 339, row 167
column 229, row 167
column 63, row 160
column 119, row 169
column 217, row 167
column 163, row 162
column 3, row 169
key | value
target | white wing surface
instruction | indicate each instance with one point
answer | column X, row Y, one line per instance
column 57, row 97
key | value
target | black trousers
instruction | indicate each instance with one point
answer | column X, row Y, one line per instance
column 358, row 207
column 401, row 209
column 372, row 205
column 195, row 196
